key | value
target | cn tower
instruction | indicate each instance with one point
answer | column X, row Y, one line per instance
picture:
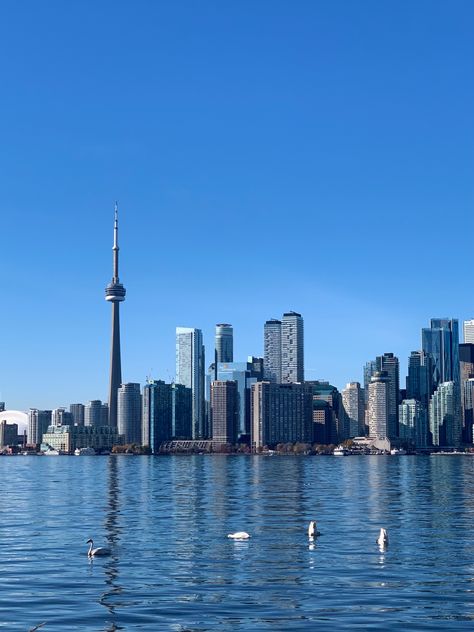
column 115, row 293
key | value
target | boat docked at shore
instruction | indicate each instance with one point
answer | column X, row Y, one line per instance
column 340, row 451
column 84, row 452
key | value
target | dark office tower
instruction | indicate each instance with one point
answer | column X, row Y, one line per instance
column 272, row 350
column 157, row 414
column 224, row 343
column 256, row 367
column 281, row 413
column 77, row 412
column 441, row 341
column 2, row 407
column 419, row 377
column 129, row 413
column 370, row 368
column 93, row 415
column 224, row 407
column 104, row 415
column 181, row 411
column 326, row 398
column 292, row 348
column 466, row 363
column 38, row 422
column 115, row 293
column 389, row 363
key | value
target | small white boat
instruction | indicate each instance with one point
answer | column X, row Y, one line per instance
column 51, row 452
column 84, row 452
column 340, row 451
column 397, row 451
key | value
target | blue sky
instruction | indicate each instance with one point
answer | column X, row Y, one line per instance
column 266, row 155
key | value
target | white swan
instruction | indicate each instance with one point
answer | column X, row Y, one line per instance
column 239, row 535
column 382, row 540
column 313, row 530
column 101, row 550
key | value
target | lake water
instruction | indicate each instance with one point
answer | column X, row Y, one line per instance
column 173, row 568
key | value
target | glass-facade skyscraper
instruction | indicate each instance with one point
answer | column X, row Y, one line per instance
column 224, row 343
column 190, row 372
column 441, row 343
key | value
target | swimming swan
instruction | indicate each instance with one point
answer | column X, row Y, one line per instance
column 99, row 551
column 382, row 540
column 239, row 535
column 313, row 530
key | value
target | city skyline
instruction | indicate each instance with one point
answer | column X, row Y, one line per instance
column 357, row 125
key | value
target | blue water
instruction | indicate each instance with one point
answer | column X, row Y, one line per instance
column 173, row 568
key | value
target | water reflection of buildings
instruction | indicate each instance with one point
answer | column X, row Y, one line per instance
column 112, row 534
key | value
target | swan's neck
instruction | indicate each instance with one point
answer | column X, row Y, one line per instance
column 90, row 547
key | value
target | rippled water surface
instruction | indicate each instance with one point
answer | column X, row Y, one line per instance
column 173, row 568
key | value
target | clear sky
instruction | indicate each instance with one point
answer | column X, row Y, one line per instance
column 267, row 156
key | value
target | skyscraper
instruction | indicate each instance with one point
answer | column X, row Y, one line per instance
column 224, row 343
column 190, row 373
column 38, row 422
column 77, row 412
column 441, row 341
column 389, row 363
column 157, row 414
column 93, row 413
column 129, row 412
column 444, row 417
column 468, row 327
column 115, row 293
column 272, row 350
column 413, row 422
column 292, row 347
column 353, row 401
column 378, row 411
column 281, row 413
column 224, row 407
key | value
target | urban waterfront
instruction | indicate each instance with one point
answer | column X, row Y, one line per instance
column 172, row 566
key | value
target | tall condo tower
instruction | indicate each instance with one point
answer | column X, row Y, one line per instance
column 115, row 293
column 272, row 350
column 224, row 343
column 292, row 347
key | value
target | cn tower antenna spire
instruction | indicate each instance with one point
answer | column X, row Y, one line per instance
column 115, row 246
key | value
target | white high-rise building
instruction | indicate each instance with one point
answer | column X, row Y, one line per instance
column 292, row 348
column 353, row 401
column 272, row 351
column 469, row 331
column 38, row 422
column 378, row 405
column 190, row 373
